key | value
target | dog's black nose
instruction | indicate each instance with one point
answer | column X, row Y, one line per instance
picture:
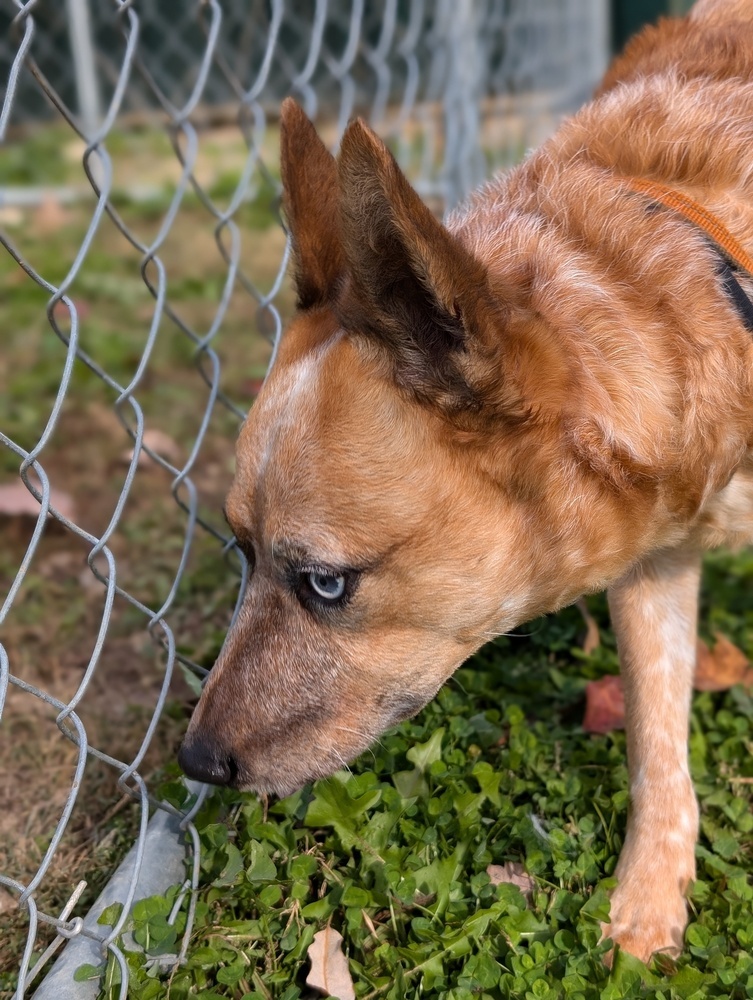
column 206, row 762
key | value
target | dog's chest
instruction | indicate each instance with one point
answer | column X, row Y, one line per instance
column 728, row 517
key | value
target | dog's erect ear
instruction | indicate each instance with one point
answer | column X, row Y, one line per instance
column 413, row 286
column 310, row 199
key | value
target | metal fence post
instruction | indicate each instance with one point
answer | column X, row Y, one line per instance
column 82, row 48
column 464, row 166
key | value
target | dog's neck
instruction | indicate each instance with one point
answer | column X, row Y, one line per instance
column 732, row 255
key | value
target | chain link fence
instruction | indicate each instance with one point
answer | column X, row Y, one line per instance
column 144, row 267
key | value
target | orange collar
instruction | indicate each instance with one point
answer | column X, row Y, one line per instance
column 730, row 249
column 685, row 205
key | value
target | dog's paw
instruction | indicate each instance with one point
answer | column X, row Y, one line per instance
column 645, row 922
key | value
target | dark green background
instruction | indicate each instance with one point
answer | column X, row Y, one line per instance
column 629, row 15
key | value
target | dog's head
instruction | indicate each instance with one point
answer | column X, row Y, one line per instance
column 398, row 495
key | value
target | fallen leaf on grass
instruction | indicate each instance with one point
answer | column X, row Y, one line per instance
column 252, row 387
column 716, row 669
column 329, row 973
column 515, row 874
column 592, row 640
column 16, row 501
column 719, row 668
column 50, row 216
column 61, row 312
column 160, row 443
column 11, row 216
column 605, row 705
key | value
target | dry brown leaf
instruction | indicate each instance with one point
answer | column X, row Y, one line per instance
column 73, row 151
column 515, row 874
column 11, row 216
column 719, row 668
column 62, row 313
column 592, row 640
column 329, row 973
column 251, row 388
column 160, row 443
column 605, row 705
column 7, row 901
column 103, row 420
column 16, row 501
column 49, row 216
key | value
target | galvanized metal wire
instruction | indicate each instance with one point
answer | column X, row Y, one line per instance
column 459, row 86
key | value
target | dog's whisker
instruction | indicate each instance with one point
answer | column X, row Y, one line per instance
column 338, row 756
column 371, row 740
column 507, row 635
column 359, row 732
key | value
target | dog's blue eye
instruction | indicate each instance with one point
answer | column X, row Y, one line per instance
column 326, row 585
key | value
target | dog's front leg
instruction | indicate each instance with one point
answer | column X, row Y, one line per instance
column 654, row 611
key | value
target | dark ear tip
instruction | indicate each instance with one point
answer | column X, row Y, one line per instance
column 291, row 112
column 360, row 140
column 299, row 139
column 353, row 130
column 357, row 125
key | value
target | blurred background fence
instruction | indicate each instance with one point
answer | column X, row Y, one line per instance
column 143, row 280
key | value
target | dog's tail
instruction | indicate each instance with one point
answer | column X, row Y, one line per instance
column 721, row 12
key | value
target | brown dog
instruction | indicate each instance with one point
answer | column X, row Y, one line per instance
column 469, row 425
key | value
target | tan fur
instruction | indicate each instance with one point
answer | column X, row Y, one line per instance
column 476, row 423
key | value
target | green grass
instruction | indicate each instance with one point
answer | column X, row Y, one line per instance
column 394, row 855
column 39, row 159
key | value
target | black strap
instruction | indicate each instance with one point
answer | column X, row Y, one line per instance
column 726, row 270
column 734, row 289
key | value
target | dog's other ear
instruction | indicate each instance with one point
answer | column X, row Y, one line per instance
column 310, row 199
column 413, row 286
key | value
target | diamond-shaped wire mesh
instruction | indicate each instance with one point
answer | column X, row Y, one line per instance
column 154, row 154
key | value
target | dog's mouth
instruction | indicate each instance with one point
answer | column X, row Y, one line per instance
column 279, row 771
column 399, row 706
column 281, row 784
column 282, row 763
